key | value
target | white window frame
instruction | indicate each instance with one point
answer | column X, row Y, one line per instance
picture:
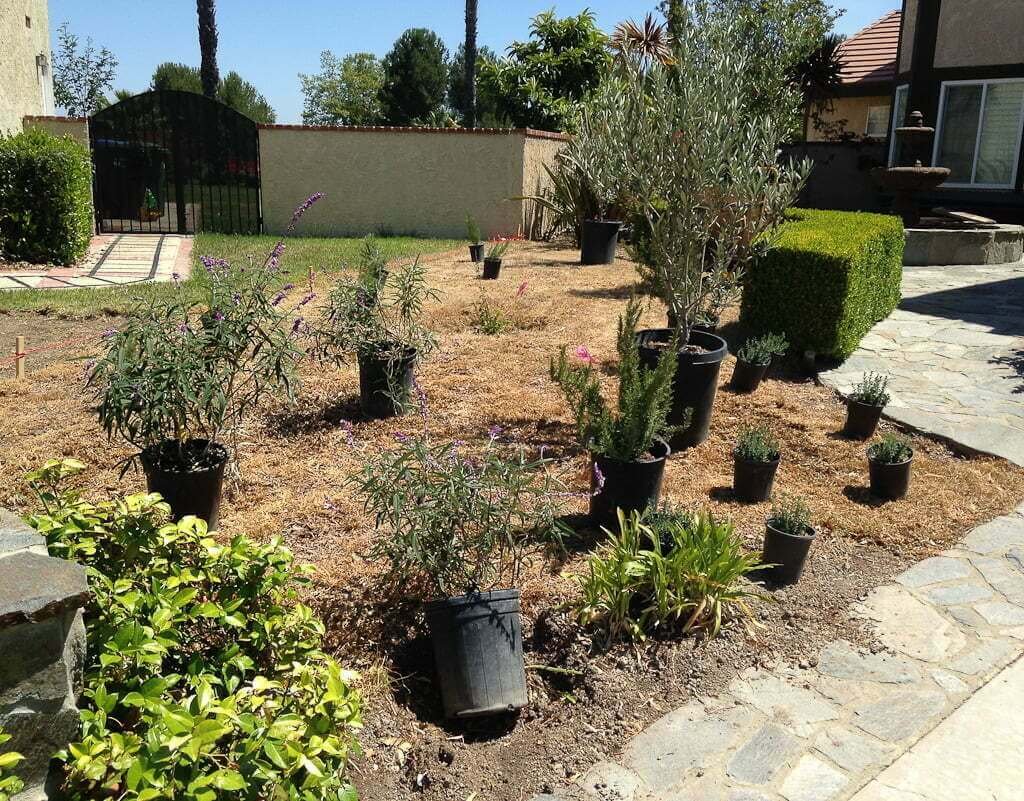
column 867, row 122
column 904, row 87
column 984, row 84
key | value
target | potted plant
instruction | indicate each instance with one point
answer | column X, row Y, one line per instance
column 753, row 360
column 755, row 462
column 181, row 375
column 493, row 256
column 626, row 447
column 865, row 404
column 787, row 541
column 476, row 243
column 150, row 208
column 889, row 463
column 455, row 529
column 376, row 318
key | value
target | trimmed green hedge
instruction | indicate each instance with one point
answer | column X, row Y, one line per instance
column 45, row 198
column 829, row 278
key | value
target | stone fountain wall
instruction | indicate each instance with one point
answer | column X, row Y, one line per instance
column 42, row 650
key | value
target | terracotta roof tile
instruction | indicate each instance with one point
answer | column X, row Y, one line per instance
column 870, row 55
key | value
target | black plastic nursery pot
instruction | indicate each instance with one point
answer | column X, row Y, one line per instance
column 476, row 252
column 599, row 240
column 786, row 553
column 889, row 482
column 492, row 267
column 695, row 384
column 752, row 482
column 478, row 651
column 629, row 486
column 747, row 376
column 195, row 491
column 385, row 385
column 861, row 419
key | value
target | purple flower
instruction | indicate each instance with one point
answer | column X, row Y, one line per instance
column 400, row 437
column 277, row 299
column 349, row 431
column 212, row 264
column 297, row 325
column 303, row 208
column 309, row 296
column 183, row 328
column 599, row 479
column 176, row 277
column 218, row 315
column 584, row 355
column 522, row 289
column 110, row 332
column 494, row 432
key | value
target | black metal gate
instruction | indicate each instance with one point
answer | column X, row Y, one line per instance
column 175, row 162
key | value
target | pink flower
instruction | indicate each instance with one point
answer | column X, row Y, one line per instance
column 522, row 289
column 584, row 355
column 599, row 479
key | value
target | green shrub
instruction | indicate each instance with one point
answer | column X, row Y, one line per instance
column 829, row 278
column 757, row 443
column 206, row 679
column 9, row 785
column 667, row 572
column 872, row 389
column 891, row 449
column 45, row 198
column 761, row 350
column 791, row 515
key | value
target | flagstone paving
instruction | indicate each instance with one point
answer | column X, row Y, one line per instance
column 954, row 351
column 868, row 725
column 113, row 260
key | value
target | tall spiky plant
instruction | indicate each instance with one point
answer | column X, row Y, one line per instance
column 471, row 18
column 208, row 72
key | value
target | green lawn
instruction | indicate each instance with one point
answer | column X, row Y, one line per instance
column 323, row 254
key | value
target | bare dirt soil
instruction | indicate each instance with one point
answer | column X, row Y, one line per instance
column 295, row 462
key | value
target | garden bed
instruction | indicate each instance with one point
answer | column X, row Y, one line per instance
column 299, row 458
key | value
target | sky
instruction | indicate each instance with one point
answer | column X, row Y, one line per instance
column 270, row 43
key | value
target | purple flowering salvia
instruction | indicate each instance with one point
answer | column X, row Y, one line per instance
column 400, row 437
column 347, row 428
column 110, row 332
column 599, row 479
column 218, row 315
column 183, row 328
column 309, row 296
column 277, row 299
column 494, row 432
column 212, row 264
column 297, row 325
column 303, row 208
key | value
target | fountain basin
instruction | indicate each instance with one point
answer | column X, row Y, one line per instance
column 913, row 179
column 942, row 247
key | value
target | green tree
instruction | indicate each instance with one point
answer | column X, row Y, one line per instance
column 208, row 72
column 538, row 83
column 458, row 91
column 415, row 78
column 345, row 92
column 177, row 77
column 81, row 76
column 233, row 90
column 469, row 56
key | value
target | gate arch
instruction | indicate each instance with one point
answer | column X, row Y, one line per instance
column 175, row 162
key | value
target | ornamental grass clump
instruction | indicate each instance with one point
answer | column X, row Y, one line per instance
column 670, row 573
column 205, row 676
column 761, row 350
column 757, row 443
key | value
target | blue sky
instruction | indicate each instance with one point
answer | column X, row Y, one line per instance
column 270, row 43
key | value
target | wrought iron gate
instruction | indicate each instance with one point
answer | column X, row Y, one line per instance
column 175, row 162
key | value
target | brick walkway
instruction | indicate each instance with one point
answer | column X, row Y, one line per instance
column 113, row 260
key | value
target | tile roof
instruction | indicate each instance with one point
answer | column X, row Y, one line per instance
column 870, row 55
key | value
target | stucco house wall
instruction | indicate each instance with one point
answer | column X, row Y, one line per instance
column 26, row 83
column 973, row 34
column 854, row 110
column 76, row 127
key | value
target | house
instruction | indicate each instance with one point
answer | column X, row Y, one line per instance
column 861, row 106
column 961, row 63
column 26, row 85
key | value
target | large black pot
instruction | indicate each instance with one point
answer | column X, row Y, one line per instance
column 476, row 252
column 889, row 482
column 786, row 553
column 861, row 419
column 598, row 241
column 752, row 482
column 695, row 383
column 492, row 268
column 747, row 376
column 385, row 386
column 629, row 486
column 189, row 492
column 478, row 650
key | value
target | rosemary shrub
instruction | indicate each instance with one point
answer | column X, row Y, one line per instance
column 761, row 350
column 757, row 443
column 472, row 230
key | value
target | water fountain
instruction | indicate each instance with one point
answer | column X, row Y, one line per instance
column 909, row 179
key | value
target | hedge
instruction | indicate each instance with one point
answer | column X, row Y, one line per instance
column 45, row 198
column 829, row 278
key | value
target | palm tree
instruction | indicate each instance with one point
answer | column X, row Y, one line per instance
column 819, row 77
column 471, row 13
column 208, row 46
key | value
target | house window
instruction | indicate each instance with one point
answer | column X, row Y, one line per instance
column 899, row 118
column 878, row 122
column 979, row 133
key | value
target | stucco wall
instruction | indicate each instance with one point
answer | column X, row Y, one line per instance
column 76, row 127
column 22, row 89
column 907, row 35
column 539, row 152
column 854, row 110
column 403, row 181
column 976, row 33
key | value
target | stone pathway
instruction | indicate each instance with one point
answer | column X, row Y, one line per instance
column 955, row 352
column 948, row 625
column 113, row 260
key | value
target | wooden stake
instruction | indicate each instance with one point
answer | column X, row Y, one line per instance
column 19, row 357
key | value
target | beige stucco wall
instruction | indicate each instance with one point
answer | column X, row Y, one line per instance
column 907, row 35
column 979, row 33
column 22, row 89
column 538, row 153
column 401, row 181
column 852, row 109
column 76, row 127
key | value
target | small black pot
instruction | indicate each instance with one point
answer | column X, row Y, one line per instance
column 478, row 651
column 747, row 377
column 476, row 252
column 695, row 384
column 384, row 387
column 889, row 481
column 786, row 553
column 598, row 241
column 861, row 419
column 188, row 492
column 629, row 486
column 752, row 482
column 491, row 269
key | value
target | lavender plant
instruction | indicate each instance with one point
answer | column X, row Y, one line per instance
column 891, row 449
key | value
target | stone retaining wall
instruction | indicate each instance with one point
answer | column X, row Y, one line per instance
column 42, row 650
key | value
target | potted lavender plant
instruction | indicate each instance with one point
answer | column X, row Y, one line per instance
column 889, row 463
column 865, row 405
